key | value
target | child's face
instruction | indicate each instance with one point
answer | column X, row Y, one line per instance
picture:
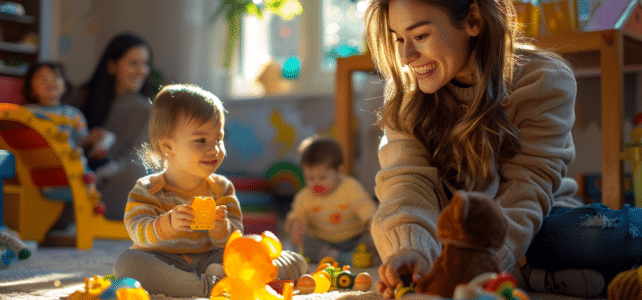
column 47, row 86
column 195, row 150
column 131, row 70
column 435, row 50
column 322, row 179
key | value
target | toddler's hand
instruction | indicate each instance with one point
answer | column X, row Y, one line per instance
column 181, row 217
column 220, row 223
column 403, row 262
column 297, row 229
column 221, row 215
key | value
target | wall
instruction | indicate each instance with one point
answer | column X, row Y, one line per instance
column 263, row 132
column 587, row 130
column 187, row 48
column 182, row 41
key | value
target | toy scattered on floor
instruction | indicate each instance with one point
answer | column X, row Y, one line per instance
column 7, row 257
column 97, row 288
column 626, row 285
column 329, row 277
column 204, row 213
column 247, row 261
column 471, row 228
column 502, row 284
column 362, row 258
column 305, row 285
column 486, row 286
column 11, row 248
column 408, row 286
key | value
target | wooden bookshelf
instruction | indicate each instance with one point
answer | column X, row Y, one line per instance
column 16, row 53
column 612, row 52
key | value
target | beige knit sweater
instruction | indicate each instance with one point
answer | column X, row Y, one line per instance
column 412, row 195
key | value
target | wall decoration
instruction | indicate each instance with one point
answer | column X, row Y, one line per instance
column 285, row 132
column 243, row 141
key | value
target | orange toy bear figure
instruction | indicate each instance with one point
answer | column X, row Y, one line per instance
column 472, row 228
column 247, row 261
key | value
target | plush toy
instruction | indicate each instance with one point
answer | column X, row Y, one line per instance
column 472, row 228
column 12, row 247
column 626, row 285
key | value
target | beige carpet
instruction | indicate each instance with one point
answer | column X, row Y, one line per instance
column 55, row 273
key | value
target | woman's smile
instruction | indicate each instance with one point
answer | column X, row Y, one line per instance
column 425, row 70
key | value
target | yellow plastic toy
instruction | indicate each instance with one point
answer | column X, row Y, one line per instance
column 97, row 288
column 362, row 258
column 204, row 213
column 247, row 261
column 42, row 153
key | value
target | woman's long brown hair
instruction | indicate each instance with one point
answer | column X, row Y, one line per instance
column 465, row 141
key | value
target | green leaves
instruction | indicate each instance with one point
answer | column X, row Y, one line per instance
column 234, row 10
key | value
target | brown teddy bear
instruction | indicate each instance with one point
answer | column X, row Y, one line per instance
column 472, row 227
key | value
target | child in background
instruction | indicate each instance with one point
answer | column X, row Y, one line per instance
column 331, row 215
column 45, row 85
column 186, row 133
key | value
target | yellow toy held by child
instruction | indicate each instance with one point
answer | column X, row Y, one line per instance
column 204, row 213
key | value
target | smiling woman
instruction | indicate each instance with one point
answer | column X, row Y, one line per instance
column 117, row 98
column 471, row 107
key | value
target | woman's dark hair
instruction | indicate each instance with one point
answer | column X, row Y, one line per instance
column 27, row 89
column 101, row 87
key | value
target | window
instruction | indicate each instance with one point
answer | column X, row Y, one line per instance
column 325, row 30
column 343, row 30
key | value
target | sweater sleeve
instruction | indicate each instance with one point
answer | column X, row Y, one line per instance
column 542, row 110
column 297, row 211
column 407, row 188
column 147, row 223
column 234, row 215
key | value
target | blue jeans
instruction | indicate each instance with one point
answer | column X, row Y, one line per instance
column 589, row 237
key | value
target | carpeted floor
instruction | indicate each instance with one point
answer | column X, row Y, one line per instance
column 55, row 273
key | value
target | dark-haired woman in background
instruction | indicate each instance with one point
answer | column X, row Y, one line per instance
column 117, row 98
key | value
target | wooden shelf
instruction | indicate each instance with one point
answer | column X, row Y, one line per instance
column 12, row 71
column 18, row 19
column 597, row 71
column 606, row 53
column 19, row 47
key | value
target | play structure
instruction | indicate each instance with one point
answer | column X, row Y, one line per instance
column 48, row 173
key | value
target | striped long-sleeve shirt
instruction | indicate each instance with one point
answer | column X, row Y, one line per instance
column 148, row 221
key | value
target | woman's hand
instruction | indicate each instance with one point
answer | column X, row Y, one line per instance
column 408, row 262
column 101, row 140
column 181, row 217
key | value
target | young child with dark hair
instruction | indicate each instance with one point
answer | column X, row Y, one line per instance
column 331, row 215
column 45, row 85
column 186, row 131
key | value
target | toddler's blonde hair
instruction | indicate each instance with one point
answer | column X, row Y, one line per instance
column 171, row 103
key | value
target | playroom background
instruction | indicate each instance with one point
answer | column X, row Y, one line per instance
column 278, row 81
